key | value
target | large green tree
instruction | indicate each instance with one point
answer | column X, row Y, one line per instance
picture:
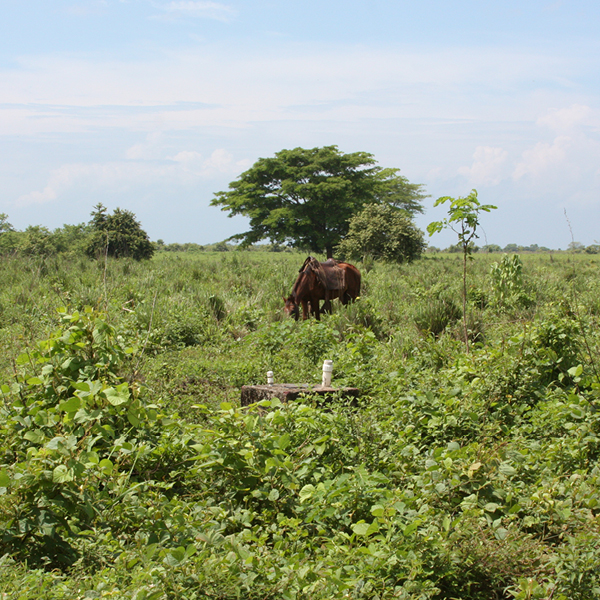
column 305, row 197
column 118, row 235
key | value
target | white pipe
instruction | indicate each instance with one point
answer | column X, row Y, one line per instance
column 327, row 371
column 270, row 378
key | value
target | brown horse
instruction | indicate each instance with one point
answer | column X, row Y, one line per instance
column 322, row 281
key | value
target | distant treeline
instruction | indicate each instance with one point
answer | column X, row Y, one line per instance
column 120, row 234
column 516, row 249
column 219, row 247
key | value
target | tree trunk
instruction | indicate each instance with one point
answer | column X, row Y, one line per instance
column 464, row 299
column 329, row 251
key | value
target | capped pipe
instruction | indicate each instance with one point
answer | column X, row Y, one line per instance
column 270, row 379
column 327, row 371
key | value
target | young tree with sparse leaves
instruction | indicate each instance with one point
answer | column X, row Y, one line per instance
column 463, row 219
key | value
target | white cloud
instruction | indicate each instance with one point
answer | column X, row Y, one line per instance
column 232, row 87
column 543, row 156
column 148, row 150
column 487, row 168
column 185, row 168
column 566, row 119
column 220, row 161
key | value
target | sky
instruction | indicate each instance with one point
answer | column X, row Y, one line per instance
column 153, row 106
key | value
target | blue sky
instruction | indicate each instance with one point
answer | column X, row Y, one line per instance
column 155, row 105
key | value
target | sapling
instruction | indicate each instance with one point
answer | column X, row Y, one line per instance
column 463, row 219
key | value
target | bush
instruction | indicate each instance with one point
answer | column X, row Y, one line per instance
column 383, row 232
column 70, row 432
column 118, row 235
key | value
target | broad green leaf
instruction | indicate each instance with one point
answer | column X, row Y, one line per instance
column 360, row 528
column 284, row 441
column 36, row 436
column 306, row 492
column 55, row 442
column 150, row 551
column 42, row 418
column 23, row 359
column 82, row 386
column 83, row 416
column 4, row 478
column 133, row 417
column 34, row 381
column 90, row 457
column 62, row 474
column 373, row 527
column 73, row 404
column 274, row 495
column 117, row 396
column 106, row 466
column 175, row 557
column 411, row 528
column 507, row 470
column 446, row 523
column 576, row 371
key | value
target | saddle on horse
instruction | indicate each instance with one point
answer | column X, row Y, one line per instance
column 329, row 275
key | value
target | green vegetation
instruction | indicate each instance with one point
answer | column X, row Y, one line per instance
column 463, row 219
column 128, row 469
column 119, row 235
column 381, row 231
column 305, row 198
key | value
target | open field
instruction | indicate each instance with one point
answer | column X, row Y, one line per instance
column 128, row 469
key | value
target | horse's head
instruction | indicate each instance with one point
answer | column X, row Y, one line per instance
column 290, row 307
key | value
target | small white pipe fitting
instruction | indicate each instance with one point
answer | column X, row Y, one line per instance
column 327, row 370
column 270, row 379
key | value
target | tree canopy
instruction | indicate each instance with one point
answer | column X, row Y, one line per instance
column 305, row 197
column 383, row 232
column 118, row 235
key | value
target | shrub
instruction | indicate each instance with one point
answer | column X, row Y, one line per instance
column 383, row 232
column 507, row 279
column 70, row 431
column 433, row 316
column 118, row 235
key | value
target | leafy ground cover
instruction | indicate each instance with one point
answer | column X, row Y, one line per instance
column 129, row 470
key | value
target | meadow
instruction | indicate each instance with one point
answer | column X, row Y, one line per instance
column 129, row 470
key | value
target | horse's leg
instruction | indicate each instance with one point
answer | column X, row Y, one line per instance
column 304, row 310
column 316, row 309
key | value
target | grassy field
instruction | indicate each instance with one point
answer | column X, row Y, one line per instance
column 129, row 470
